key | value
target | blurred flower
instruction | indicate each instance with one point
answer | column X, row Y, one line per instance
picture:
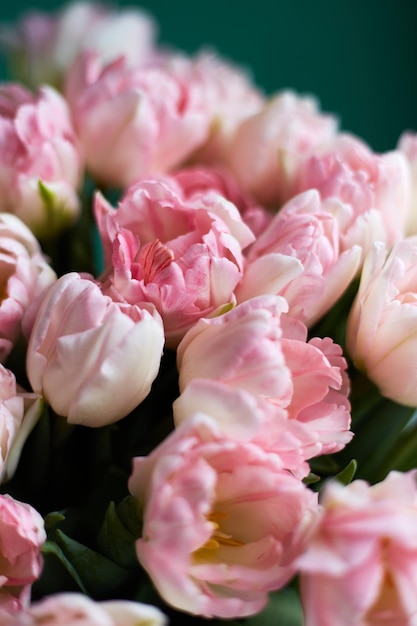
column 133, row 122
column 269, row 146
column 407, row 145
column 24, row 275
column 19, row 412
column 199, row 180
column 298, row 256
column 76, row 609
column 94, row 360
column 223, row 522
column 243, row 416
column 226, row 93
column 382, row 324
column 370, row 192
column 43, row 46
column 182, row 254
column 40, row 164
column 360, row 564
column 257, row 349
column 21, row 537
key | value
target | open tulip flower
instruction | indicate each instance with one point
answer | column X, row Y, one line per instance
column 208, row 340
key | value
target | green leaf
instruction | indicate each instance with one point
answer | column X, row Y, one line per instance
column 403, row 455
column 51, row 549
column 283, row 609
column 311, row 479
column 115, row 540
column 130, row 515
column 376, row 438
column 99, row 575
column 52, row 520
column 347, row 473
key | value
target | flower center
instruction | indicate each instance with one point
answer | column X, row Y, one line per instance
column 155, row 257
column 218, row 537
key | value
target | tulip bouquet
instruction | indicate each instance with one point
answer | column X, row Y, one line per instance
column 208, row 343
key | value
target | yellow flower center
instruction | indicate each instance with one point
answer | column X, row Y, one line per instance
column 218, row 537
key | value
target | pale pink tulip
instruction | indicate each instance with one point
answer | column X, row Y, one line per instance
column 370, row 192
column 40, row 162
column 223, row 521
column 257, row 349
column 75, row 609
column 268, row 147
column 133, row 122
column 201, row 180
column 382, row 325
column 183, row 255
column 227, row 96
column 21, row 537
column 94, row 360
column 360, row 566
column 298, row 256
column 24, row 274
column 243, row 416
column 407, row 145
column 45, row 45
column 19, row 412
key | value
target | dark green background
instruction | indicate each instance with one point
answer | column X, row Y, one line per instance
column 357, row 56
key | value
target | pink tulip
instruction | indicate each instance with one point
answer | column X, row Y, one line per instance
column 19, row 412
column 47, row 44
column 360, row 566
column 407, row 145
column 223, row 522
column 21, row 537
column 201, row 180
column 94, row 360
column 268, row 147
column 76, row 609
column 40, row 163
column 24, row 274
column 133, row 122
column 243, row 416
column 298, row 256
column 256, row 349
column 370, row 192
column 227, row 96
column 182, row 255
column 381, row 328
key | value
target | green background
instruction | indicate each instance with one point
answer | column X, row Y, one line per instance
column 357, row 56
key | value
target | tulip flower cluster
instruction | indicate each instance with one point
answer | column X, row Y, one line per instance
column 208, row 326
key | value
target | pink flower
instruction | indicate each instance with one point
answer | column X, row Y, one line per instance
column 243, row 416
column 407, row 145
column 133, row 122
column 21, row 537
column 371, row 192
column 298, row 256
column 76, row 609
column 200, row 180
column 40, row 163
column 257, row 349
column 381, row 328
column 94, row 360
column 24, row 274
column 223, row 522
column 320, row 387
column 19, row 412
column 269, row 146
column 360, row 566
column 183, row 255
column 227, row 96
column 48, row 44
column 241, row 348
